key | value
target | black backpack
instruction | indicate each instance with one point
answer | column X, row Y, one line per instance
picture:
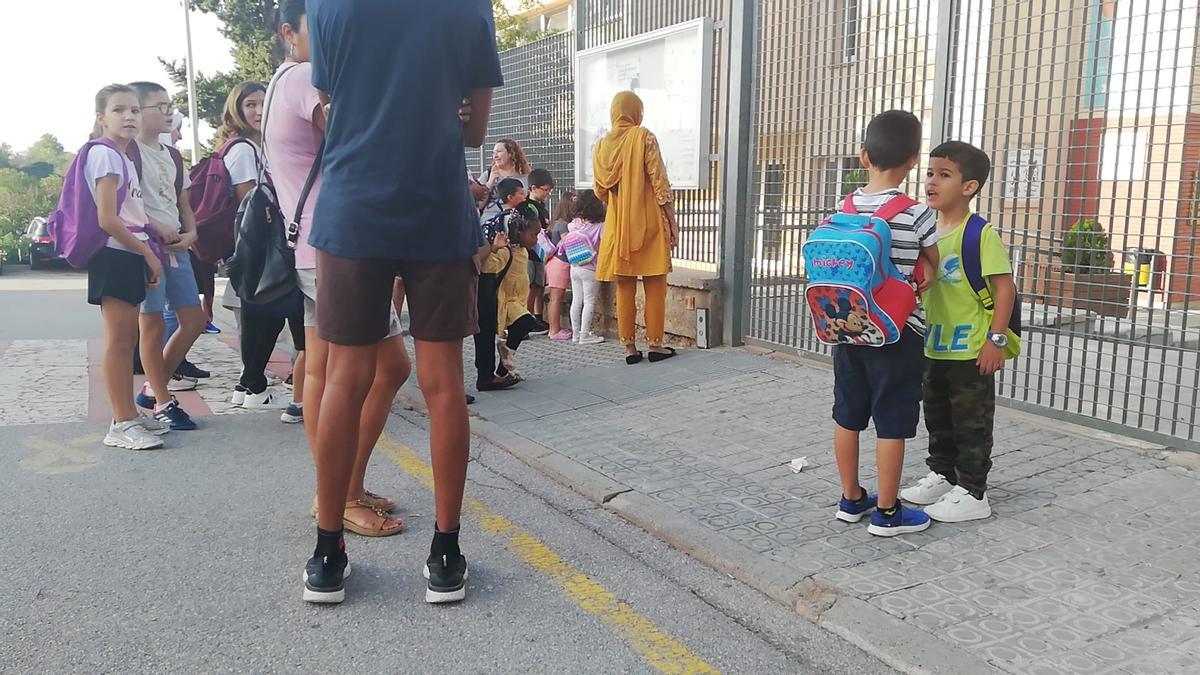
column 262, row 268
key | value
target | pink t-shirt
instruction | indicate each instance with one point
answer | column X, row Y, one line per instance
column 291, row 142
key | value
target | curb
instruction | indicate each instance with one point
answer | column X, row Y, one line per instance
column 898, row 644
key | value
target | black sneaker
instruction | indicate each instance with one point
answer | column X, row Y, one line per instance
column 540, row 327
column 324, row 579
column 188, row 369
column 447, row 579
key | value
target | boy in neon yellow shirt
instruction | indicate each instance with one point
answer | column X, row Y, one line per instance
column 966, row 343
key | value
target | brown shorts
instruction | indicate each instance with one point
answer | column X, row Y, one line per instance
column 354, row 298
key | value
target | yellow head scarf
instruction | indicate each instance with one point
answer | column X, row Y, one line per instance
column 619, row 164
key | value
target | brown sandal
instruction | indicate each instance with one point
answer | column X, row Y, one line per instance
column 373, row 500
column 379, row 502
column 381, row 524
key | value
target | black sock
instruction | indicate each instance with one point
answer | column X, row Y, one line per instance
column 445, row 544
column 329, row 543
column 860, row 499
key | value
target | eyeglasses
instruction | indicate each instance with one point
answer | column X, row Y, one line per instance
column 164, row 108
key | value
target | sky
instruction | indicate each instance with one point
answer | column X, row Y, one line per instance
column 57, row 53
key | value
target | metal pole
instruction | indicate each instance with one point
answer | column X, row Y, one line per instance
column 737, row 211
column 943, row 73
column 191, row 82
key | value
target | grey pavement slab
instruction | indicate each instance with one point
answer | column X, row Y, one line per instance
column 1092, row 544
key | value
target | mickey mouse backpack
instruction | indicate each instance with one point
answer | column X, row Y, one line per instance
column 855, row 294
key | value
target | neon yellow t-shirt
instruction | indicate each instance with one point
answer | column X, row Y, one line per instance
column 957, row 322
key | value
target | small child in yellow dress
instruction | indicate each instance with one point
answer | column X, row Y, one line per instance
column 510, row 265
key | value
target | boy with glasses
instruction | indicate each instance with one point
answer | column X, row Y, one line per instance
column 163, row 180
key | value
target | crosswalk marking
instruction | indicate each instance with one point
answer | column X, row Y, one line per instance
column 57, row 381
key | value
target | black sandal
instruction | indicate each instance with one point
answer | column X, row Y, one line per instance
column 633, row 359
column 655, row 357
column 506, row 383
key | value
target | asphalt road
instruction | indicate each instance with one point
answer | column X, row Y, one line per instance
column 189, row 559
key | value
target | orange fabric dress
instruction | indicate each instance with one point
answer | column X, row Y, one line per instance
column 631, row 178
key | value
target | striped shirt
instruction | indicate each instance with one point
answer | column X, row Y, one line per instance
column 912, row 229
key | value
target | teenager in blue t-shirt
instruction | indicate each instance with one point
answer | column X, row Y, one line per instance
column 394, row 203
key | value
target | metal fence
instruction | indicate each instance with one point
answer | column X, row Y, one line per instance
column 1089, row 110
column 536, row 106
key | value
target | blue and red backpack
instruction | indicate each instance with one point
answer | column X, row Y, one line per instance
column 855, row 293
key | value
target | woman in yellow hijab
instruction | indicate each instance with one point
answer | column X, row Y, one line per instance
column 640, row 230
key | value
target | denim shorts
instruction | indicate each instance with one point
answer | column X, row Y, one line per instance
column 880, row 384
column 177, row 287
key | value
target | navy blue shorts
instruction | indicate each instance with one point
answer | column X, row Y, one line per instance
column 881, row 384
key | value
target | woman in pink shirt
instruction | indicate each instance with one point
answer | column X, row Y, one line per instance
column 293, row 134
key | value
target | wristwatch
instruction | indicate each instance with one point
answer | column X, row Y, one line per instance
column 998, row 339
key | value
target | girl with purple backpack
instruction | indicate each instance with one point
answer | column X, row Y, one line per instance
column 580, row 245
column 118, row 273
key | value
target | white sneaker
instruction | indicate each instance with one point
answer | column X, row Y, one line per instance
column 958, row 505
column 269, row 399
column 153, row 424
column 927, row 490
column 181, row 383
column 131, row 435
column 239, row 396
column 591, row 339
column 272, row 379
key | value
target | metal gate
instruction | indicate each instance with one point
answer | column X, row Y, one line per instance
column 1088, row 110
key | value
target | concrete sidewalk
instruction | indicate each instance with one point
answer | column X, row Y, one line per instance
column 1090, row 563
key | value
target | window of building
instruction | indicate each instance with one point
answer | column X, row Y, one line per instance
column 1123, row 155
column 1101, row 17
column 840, row 177
column 848, row 20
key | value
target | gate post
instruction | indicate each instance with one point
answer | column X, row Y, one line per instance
column 943, row 71
column 737, row 211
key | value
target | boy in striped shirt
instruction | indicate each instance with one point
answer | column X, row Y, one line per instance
column 883, row 384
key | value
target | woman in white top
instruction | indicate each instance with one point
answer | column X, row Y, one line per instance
column 246, row 165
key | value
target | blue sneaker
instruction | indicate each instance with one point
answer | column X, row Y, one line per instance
column 145, row 401
column 903, row 521
column 174, row 416
column 852, row 511
column 210, row 328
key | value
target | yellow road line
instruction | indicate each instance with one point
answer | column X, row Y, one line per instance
column 661, row 650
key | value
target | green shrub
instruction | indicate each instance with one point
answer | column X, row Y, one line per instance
column 1085, row 248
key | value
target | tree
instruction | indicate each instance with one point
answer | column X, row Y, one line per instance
column 44, row 157
column 22, row 197
column 257, row 51
column 510, row 30
column 5, row 155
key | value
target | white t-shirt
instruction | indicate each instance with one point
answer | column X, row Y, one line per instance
column 913, row 229
column 158, row 186
column 242, row 162
column 104, row 161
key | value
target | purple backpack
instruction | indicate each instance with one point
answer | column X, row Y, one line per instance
column 75, row 225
